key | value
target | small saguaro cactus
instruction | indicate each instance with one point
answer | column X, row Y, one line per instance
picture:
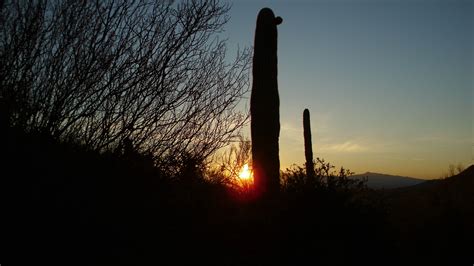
column 308, row 148
column 265, row 105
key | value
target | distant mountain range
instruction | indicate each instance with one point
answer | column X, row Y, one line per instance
column 378, row 181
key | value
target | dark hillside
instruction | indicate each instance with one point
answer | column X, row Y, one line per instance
column 65, row 205
column 435, row 218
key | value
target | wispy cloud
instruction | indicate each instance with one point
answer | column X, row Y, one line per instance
column 444, row 138
column 291, row 133
column 347, row 147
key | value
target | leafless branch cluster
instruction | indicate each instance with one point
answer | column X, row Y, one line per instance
column 230, row 162
column 453, row 170
column 148, row 72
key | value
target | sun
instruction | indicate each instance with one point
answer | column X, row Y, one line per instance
column 245, row 174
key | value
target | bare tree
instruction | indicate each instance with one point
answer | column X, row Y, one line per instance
column 149, row 73
column 453, row 170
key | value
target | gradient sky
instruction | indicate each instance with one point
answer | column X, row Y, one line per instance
column 388, row 83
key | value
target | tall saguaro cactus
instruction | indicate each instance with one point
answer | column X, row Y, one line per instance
column 265, row 105
column 308, row 148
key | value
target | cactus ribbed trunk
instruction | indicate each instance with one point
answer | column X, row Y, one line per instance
column 308, row 148
column 265, row 105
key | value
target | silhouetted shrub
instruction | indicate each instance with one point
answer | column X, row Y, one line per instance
column 325, row 178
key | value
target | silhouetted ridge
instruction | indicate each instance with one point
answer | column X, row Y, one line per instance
column 435, row 218
column 467, row 173
column 377, row 180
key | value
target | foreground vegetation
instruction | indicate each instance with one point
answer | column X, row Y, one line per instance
column 65, row 204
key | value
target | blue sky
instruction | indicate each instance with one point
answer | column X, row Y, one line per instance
column 388, row 83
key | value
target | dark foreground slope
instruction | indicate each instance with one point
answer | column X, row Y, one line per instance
column 435, row 219
column 62, row 204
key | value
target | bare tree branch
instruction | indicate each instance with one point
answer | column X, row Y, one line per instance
column 102, row 72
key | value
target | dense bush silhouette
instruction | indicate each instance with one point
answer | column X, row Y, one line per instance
column 67, row 204
column 118, row 207
column 323, row 177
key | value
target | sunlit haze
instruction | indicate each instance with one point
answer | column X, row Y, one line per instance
column 388, row 83
column 245, row 173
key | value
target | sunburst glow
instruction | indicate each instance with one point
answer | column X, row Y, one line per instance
column 245, row 173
